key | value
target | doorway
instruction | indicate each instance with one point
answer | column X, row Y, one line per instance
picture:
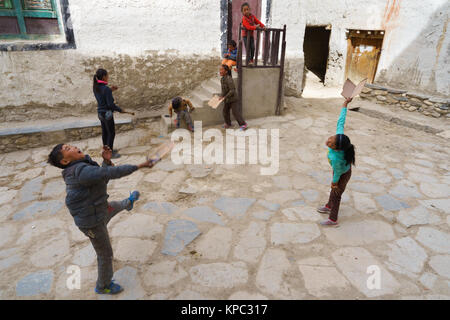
column 363, row 54
column 316, row 47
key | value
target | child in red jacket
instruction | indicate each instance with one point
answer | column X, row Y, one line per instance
column 250, row 23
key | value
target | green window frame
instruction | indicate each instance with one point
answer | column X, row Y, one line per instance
column 18, row 9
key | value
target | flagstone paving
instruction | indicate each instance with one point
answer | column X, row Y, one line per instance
column 228, row 232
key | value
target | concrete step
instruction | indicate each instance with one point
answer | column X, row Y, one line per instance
column 204, row 98
column 213, row 86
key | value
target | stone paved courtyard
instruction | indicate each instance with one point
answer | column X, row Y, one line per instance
column 227, row 232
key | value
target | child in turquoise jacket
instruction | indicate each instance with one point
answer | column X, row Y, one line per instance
column 341, row 155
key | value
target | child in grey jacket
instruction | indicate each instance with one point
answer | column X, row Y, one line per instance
column 86, row 199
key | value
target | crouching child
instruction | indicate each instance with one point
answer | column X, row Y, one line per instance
column 87, row 201
column 182, row 108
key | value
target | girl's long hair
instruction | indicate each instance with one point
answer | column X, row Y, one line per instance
column 98, row 76
column 343, row 143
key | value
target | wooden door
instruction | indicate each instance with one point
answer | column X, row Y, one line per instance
column 363, row 54
column 255, row 6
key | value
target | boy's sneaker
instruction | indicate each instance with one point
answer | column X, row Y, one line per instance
column 113, row 288
column 328, row 222
column 115, row 155
column 243, row 128
column 191, row 128
column 133, row 197
column 225, row 126
column 324, row 209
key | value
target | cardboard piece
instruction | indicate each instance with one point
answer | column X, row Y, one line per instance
column 214, row 102
column 161, row 151
column 350, row 90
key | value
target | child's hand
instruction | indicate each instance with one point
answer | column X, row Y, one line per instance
column 114, row 88
column 334, row 185
column 107, row 154
column 148, row 164
column 347, row 101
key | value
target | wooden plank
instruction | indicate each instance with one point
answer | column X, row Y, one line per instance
column 281, row 80
column 39, row 14
column 20, row 19
column 240, row 74
column 8, row 13
column 266, row 47
column 258, row 34
column 277, row 47
column 272, row 48
column 247, row 50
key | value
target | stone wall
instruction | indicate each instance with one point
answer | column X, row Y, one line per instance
column 16, row 142
column 413, row 102
column 153, row 50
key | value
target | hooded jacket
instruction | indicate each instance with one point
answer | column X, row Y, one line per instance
column 86, row 194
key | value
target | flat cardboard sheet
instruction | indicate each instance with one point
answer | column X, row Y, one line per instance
column 350, row 90
column 214, row 102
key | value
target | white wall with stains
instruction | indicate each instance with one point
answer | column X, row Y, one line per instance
column 154, row 49
column 415, row 52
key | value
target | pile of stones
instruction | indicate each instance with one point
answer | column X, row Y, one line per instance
column 427, row 105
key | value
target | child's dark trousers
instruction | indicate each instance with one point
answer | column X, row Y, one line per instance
column 336, row 194
column 236, row 114
column 99, row 238
column 250, row 51
column 108, row 130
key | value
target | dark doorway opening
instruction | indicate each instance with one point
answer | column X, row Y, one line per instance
column 316, row 47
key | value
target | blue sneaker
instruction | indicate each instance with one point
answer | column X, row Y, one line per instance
column 133, row 197
column 113, row 288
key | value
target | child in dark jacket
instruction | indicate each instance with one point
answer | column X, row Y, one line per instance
column 231, row 56
column 105, row 108
column 230, row 98
column 250, row 23
column 86, row 199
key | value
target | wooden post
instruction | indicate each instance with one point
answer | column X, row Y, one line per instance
column 280, row 85
column 266, row 46
column 272, row 48
column 258, row 32
column 239, row 66
column 247, row 50
column 277, row 47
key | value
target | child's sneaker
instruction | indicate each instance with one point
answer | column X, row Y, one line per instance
column 191, row 128
column 328, row 222
column 324, row 209
column 225, row 126
column 113, row 288
column 115, row 155
column 133, row 197
column 243, row 128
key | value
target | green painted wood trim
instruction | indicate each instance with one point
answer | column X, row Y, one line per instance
column 51, row 2
column 39, row 14
column 7, row 13
column 20, row 19
column 57, row 10
column 21, row 14
column 41, row 37
column 8, row 5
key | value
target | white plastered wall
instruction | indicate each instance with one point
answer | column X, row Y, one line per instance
column 415, row 53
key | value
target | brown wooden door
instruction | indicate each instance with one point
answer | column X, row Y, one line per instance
column 362, row 58
column 255, row 6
